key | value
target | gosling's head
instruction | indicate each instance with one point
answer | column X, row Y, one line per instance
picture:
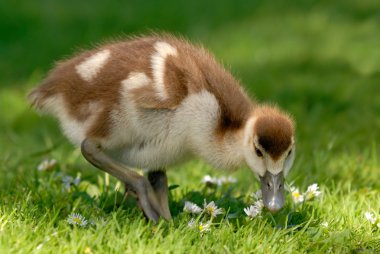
column 269, row 151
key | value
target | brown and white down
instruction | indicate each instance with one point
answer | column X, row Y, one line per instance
column 155, row 101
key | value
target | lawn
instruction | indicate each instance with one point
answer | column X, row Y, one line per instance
column 319, row 60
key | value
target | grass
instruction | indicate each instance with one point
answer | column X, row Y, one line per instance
column 319, row 60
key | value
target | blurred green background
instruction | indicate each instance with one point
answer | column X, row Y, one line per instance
column 319, row 60
column 34, row 34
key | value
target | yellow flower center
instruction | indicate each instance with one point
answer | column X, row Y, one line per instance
column 77, row 220
column 296, row 194
column 87, row 250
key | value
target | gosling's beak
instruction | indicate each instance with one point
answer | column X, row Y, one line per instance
column 272, row 187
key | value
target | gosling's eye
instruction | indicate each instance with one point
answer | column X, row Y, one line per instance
column 258, row 152
column 289, row 153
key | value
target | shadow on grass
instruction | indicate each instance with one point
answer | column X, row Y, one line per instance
column 291, row 216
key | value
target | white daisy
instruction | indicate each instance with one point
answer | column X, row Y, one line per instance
column 46, row 165
column 209, row 180
column 212, row 209
column 191, row 208
column 69, row 181
column 204, row 227
column 312, row 192
column 259, row 204
column 191, row 223
column 296, row 195
column 370, row 217
column 251, row 211
column 255, row 209
column 77, row 219
column 325, row 224
column 257, row 195
column 215, row 181
column 226, row 180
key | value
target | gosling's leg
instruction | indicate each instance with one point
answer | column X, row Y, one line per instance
column 159, row 182
column 94, row 153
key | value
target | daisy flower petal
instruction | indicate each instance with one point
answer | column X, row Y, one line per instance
column 257, row 195
column 77, row 219
column 255, row 209
column 312, row 192
column 296, row 195
column 212, row 209
column 191, row 208
column 204, row 227
column 226, row 180
column 69, row 181
column 325, row 224
column 251, row 211
column 370, row 217
column 214, row 181
column 208, row 180
column 191, row 223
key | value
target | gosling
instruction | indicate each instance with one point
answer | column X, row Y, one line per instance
column 155, row 101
